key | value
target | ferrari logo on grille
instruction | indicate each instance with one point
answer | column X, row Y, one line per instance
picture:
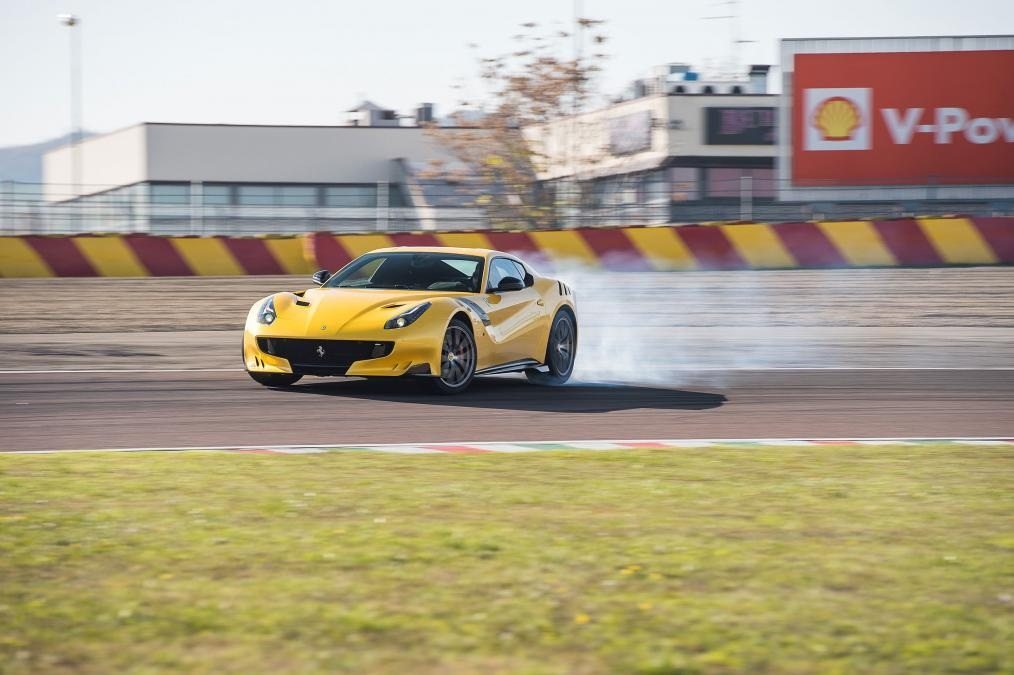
column 320, row 351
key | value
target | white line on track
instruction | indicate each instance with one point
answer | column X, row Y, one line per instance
column 584, row 444
column 758, row 369
column 123, row 370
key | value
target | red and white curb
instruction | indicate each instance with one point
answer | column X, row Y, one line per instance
column 476, row 448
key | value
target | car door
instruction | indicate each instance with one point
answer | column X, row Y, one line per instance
column 513, row 314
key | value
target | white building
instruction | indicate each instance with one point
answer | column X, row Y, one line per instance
column 203, row 177
column 677, row 144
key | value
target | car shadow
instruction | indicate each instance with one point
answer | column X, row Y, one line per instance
column 513, row 393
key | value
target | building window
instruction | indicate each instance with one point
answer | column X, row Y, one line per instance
column 653, row 187
column 351, row 196
column 170, row 193
column 728, row 182
column 395, row 196
column 684, row 186
column 297, row 195
column 764, row 183
column 217, row 195
column 255, row 195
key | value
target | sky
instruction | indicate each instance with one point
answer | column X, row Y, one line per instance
column 308, row 61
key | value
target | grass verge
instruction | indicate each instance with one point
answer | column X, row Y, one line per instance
column 845, row 559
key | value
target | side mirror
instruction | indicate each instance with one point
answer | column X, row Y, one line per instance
column 508, row 284
column 320, row 277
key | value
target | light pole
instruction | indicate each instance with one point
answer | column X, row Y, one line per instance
column 71, row 21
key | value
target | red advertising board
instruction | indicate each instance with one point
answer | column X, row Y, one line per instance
column 903, row 118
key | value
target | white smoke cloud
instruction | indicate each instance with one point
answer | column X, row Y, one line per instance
column 660, row 328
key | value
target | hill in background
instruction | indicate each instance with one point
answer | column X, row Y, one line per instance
column 23, row 163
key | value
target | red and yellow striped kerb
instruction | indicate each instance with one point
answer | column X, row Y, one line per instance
column 735, row 246
column 139, row 255
column 905, row 242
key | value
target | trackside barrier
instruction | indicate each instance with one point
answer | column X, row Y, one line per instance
column 925, row 242
column 930, row 242
column 139, row 255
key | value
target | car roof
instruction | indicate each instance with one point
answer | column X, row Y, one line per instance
column 480, row 252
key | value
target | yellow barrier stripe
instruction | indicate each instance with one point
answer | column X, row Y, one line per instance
column 759, row 246
column 957, row 241
column 662, row 248
column 110, row 256
column 19, row 259
column 290, row 254
column 464, row 239
column 859, row 243
column 565, row 245
column 207, row 256
column 358, row 244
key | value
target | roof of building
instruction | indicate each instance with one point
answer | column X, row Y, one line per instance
column 366, row 106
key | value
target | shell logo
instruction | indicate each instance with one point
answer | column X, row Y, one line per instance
column 837, row 118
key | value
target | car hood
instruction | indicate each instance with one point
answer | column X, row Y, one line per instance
column 331, row 309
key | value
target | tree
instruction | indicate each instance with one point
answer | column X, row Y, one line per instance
column 533, row 84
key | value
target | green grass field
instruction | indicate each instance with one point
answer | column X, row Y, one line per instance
column 789, row 560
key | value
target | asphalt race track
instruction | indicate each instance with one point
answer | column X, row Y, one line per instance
column 88, row 410
column 857, row 353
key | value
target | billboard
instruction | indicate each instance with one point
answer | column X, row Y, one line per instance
column 630, row 133
column 739, row 126
column 903, row 118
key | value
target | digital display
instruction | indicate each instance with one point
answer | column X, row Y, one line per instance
column 740, row 126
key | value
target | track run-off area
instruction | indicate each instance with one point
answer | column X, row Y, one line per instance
column 134, row 363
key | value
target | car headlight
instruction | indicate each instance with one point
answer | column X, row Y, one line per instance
column 267, row 314
column 407, row 318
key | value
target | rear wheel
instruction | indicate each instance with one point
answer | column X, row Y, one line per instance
column 560, row 352
column 274, row 379
column 457, row 359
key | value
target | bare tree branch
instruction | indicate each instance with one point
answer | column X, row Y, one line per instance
column 531, row 85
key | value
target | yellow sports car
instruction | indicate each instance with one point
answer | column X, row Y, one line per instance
column 447, row 314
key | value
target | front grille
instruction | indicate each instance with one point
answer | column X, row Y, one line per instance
column 323, row 357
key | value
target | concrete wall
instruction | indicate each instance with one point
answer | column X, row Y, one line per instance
column 233, row 153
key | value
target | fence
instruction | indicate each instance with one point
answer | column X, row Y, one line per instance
column 237, row 209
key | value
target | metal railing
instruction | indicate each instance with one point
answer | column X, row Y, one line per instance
column 27, row 208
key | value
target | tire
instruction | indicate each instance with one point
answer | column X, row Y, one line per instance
column 561, row 350
column 458, row 357
column 274, row 379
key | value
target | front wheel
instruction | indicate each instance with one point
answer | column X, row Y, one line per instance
column 560, row 352
column 458, row 356
column 274, row 379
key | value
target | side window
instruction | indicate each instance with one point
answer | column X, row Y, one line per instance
column 522, row 273
column 501, row 268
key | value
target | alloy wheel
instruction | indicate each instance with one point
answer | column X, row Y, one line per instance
column 562, row 344
column 457, row 357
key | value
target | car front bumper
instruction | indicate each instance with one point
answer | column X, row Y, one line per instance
column 351, row 355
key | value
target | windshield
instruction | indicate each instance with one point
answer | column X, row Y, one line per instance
column 411, row 271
